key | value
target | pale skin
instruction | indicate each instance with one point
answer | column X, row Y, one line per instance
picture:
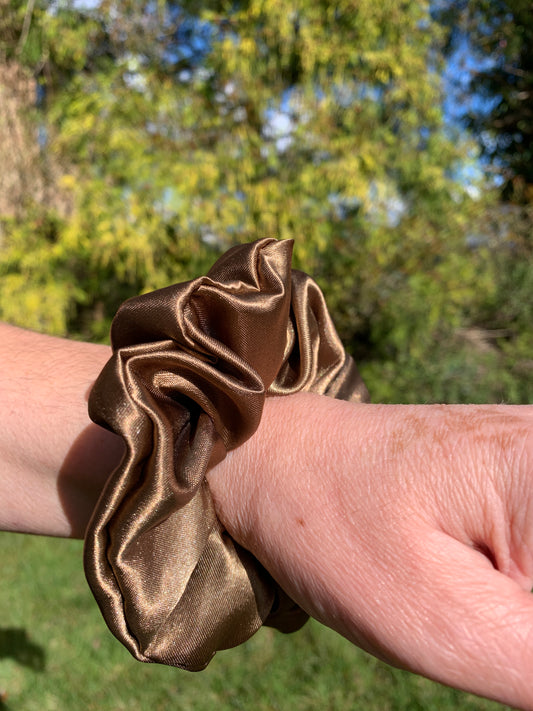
column 408, row 529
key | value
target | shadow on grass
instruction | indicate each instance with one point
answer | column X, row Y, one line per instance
column 15, row 644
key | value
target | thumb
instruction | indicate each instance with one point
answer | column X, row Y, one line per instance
column 473, row 625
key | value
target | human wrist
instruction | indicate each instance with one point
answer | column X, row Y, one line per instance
column 299, row 436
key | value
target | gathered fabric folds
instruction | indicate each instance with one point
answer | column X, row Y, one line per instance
column 187, row 381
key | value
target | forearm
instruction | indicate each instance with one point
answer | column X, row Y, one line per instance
column 53, row 459
column 407, row 529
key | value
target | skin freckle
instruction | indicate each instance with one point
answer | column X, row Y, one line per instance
column 412, row 428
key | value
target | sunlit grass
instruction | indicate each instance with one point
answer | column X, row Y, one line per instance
column 57, row 655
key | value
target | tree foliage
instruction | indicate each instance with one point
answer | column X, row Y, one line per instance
column 500, row 35
column 178, row 130
column 494, row 86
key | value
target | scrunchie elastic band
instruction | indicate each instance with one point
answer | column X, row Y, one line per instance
column 191, row 367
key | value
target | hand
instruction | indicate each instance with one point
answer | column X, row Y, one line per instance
column 408, row 529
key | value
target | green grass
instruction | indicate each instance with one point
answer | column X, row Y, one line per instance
column 57, row 655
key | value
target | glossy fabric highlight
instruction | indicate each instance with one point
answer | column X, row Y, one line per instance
column 190, row 370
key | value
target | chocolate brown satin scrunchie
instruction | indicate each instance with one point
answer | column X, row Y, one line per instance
column 191, row 367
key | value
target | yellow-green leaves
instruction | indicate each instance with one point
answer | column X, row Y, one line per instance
column 179, row 130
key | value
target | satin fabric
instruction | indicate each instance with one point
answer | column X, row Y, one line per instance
column 190, row 370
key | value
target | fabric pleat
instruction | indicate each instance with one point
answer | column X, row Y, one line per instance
column 191, row 367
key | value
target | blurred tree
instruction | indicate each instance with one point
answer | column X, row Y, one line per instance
column 489, row 44
column 495, row 83
column 182, row 129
